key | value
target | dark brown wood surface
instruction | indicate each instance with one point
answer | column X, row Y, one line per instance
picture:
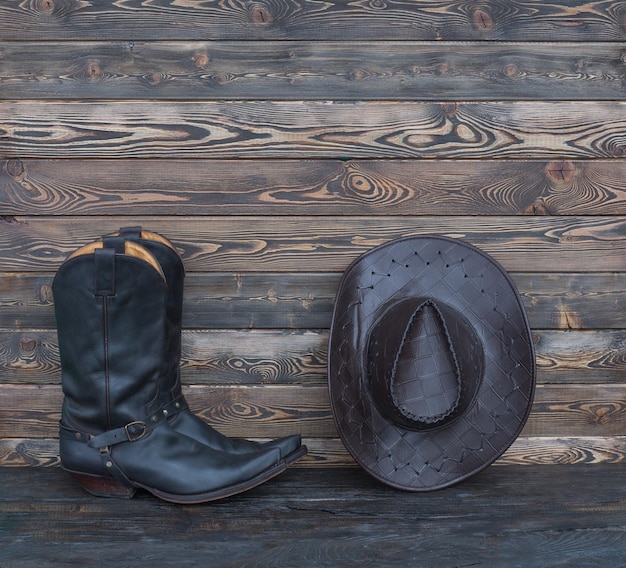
column 599, row 20
column 279, row 70
column 312, row 187
column 505, row 516
column 274, row 141
column 323, row 244
column 321, row 129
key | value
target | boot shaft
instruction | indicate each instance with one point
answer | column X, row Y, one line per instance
column 110, row 309
column 174, row 271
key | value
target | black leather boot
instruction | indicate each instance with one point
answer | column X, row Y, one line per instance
column 111, row 310
column 172, row 398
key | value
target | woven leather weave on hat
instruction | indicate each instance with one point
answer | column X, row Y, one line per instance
column 431, row 362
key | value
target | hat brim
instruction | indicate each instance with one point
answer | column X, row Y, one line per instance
column 463, row 278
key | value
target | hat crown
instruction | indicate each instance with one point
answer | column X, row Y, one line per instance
column 424, row 363
column 425, row 381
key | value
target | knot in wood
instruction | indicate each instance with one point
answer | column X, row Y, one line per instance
column 93, row 70
column 481, row 19
column 201, row 59
column 46, row 6
column 561, row 171
column 27, row 346
column 510, row 70
column 45, row 293
column 378, row 4
column 357, row 75
column 261, row 15
column 361, row 185
column 15, row 167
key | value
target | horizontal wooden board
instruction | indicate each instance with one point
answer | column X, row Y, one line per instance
column 299, row 357
column 272, row 411
column 578, row 410
column 330, row 452
column 504, row 516
column 311, row 70
column 294, row 129
column 305, row 301
column 326, row 244
column 529, row 450
column 315, row 187
column 335, row 20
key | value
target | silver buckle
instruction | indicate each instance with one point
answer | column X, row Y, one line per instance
column 132, row 437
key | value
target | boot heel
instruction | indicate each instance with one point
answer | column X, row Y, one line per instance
column 103, row 486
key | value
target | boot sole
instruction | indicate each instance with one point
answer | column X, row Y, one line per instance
column 102, row 486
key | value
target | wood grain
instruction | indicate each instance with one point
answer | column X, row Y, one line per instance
column 279, row 70
column 271, row 411
column 507, row 516
column 330, row 452
column 299, row 357
column 332, row 20
column 560, row 451
column 320, row 187
column 563, row 301
column 293, row 129
column 326, row 244
column 275, row 141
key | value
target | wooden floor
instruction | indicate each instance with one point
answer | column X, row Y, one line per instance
column 526, row 516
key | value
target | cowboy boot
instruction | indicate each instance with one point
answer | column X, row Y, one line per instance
column 172, row 398
column 111, row 310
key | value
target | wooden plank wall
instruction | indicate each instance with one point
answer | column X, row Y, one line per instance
column 273, row 141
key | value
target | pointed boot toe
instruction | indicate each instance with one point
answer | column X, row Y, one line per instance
column 290, row 447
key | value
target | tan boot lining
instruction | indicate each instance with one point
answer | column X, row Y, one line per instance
column 130, row 248
column 87, row 249
column 133, row 249
column 158, row 238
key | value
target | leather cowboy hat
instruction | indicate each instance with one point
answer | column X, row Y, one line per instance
column 431, row 362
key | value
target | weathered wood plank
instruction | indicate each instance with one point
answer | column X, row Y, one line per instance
column 560, row 451
column 525, row 517
column 19, row 452
column 320, row 187
column 563, row 355
column 573, row 301
column 300, row 19
column 326, row 244
column 292, row 129
column 299, row 357
column 311, row 70
column 271, row 411
column 578, row 410
column 305, row 301
column 330, row 452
